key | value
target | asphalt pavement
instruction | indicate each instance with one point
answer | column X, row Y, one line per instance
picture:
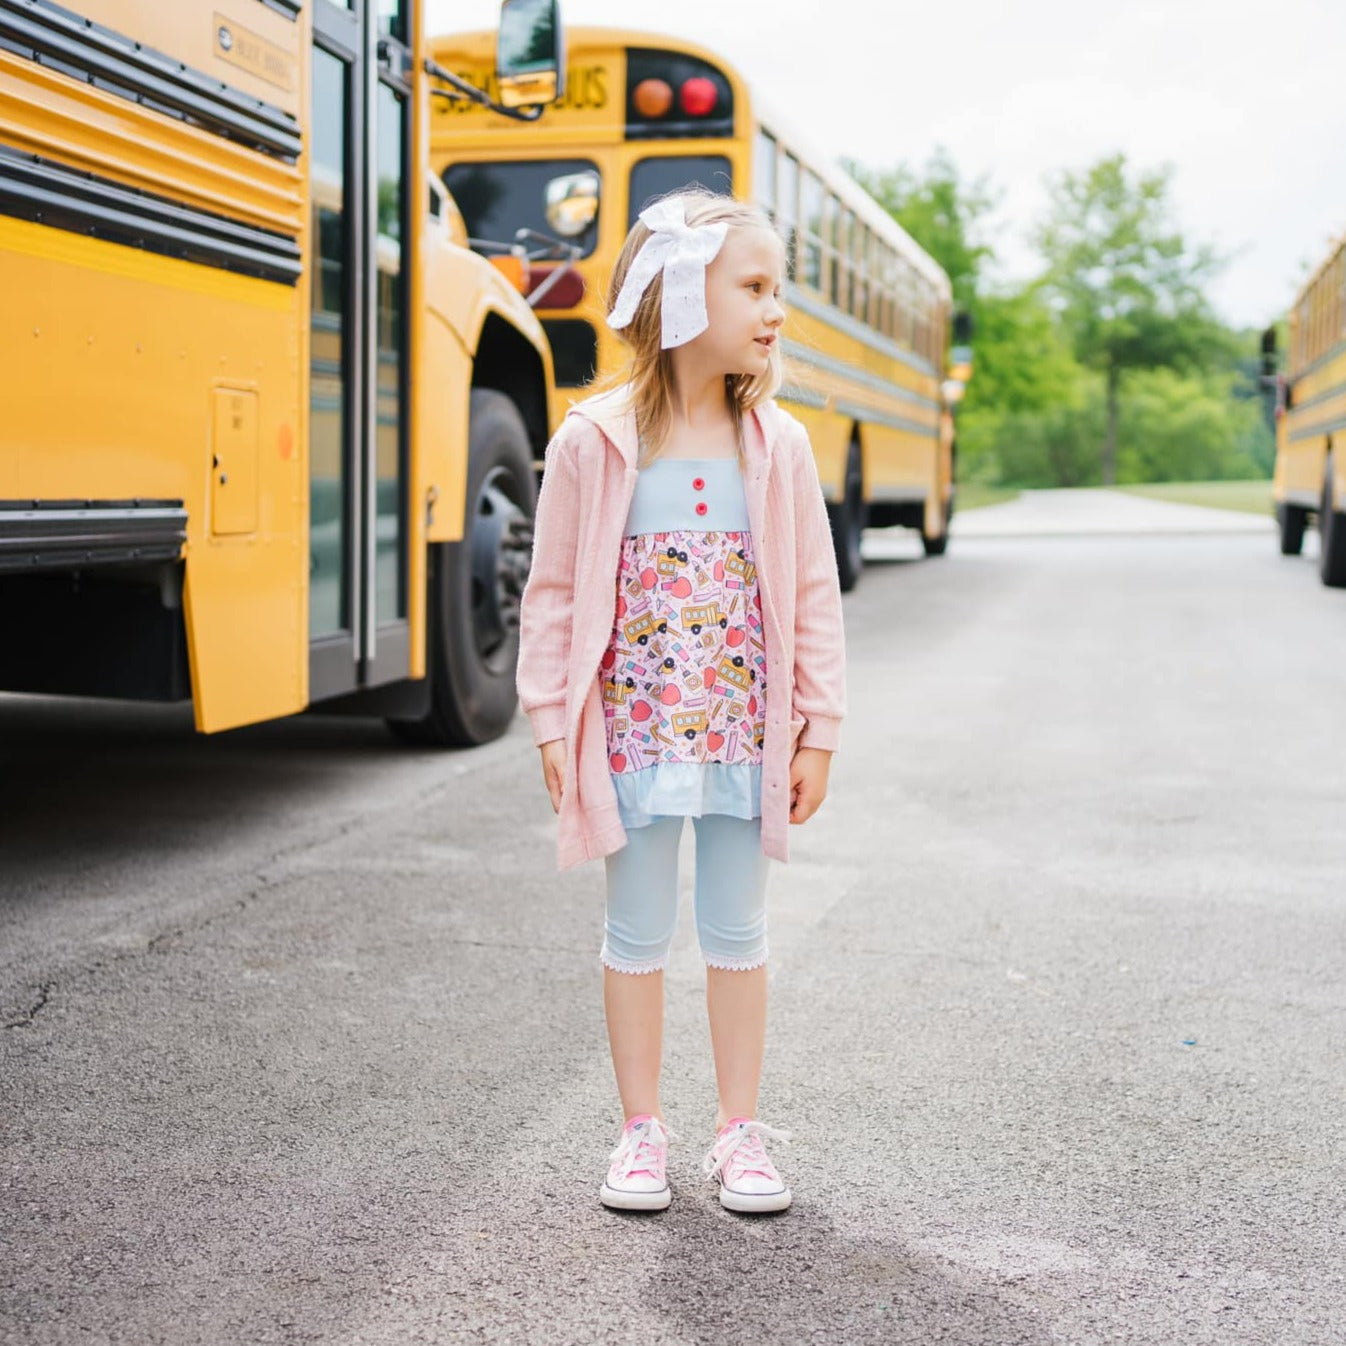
column 303, row 1033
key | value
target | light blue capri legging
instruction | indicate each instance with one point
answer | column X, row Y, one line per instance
column 642, row 905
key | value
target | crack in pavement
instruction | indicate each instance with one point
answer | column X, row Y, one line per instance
column 44, row 993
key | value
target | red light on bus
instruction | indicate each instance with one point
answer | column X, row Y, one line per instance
column 652, row 97
column 566, row 291
column 699, row 96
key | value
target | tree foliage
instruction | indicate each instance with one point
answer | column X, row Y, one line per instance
column 1111, row 364
column 1127, row 285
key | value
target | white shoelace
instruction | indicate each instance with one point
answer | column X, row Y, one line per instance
column 629, row 1152
column 751, row 1133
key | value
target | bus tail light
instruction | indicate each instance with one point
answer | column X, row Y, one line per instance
column 698, row 96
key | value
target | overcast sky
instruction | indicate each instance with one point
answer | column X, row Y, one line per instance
column 1246, row 100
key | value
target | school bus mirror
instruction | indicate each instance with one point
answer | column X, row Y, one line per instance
column 572, row 203
column 953, row 390
column 529, row 56
column 1269, row 352
column 962, row 327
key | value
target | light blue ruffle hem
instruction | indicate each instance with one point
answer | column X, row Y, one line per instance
column 688, row 790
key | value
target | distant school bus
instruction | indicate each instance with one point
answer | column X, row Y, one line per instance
column 1310, row 477
column 866, row 343
column 268, row 423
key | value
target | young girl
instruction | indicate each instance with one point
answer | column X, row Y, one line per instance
column 682, row 657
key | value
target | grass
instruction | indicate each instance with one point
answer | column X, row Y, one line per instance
column 972, row 495
column 1247, row 497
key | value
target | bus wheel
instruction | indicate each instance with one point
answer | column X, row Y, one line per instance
column 1292, row 520
column 848, row 523
column 1332, row 535
column 476, row 584
column 939, row 544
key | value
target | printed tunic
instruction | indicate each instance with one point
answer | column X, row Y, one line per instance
column 684, row 676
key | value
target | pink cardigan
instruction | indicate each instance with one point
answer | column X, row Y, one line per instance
column 569, row 607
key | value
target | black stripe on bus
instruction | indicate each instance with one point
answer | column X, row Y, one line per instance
column 41, row 535
column 290, row 8
column 83, row 203
column 55, row 37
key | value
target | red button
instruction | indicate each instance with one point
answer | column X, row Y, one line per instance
column 700, row 506
column 698, row 483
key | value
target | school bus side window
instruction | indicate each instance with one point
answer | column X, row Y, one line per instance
column 787, row 200
column 841, row 272
column 764, row 173
column 811, row 250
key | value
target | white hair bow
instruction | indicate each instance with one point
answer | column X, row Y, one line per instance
column 682, row 254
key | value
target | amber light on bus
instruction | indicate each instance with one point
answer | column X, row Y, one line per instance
column 653, row 97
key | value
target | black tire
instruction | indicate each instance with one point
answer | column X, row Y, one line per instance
column 1292, row 521
column 848, row 523
column 475, row 586
column 1332, row 534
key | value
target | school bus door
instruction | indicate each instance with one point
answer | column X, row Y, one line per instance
column 360, row 136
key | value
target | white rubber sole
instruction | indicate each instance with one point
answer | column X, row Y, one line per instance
column 617, row 1200
column 754, row 1203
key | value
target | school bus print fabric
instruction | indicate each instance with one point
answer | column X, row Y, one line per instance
column 684, row 678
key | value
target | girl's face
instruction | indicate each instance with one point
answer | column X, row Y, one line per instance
column 743, row 304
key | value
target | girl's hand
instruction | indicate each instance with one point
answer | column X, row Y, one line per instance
column 554, row 770
column 808, row 782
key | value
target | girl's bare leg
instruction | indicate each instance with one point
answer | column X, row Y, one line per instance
column 634, row 1003
column 736, row 1004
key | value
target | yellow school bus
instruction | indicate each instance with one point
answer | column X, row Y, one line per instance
column 269, row 423
column 866, row 343
column 1310, row 477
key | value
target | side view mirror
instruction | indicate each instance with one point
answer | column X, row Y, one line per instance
column 529, row 53
column 962, row 327
column 572, row 203
column 1269, row 352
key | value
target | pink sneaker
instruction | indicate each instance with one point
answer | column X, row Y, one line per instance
column 637, row 1179
column 747, row 1177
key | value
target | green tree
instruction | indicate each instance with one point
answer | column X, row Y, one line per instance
column 1127, row 285
column 1189, row 427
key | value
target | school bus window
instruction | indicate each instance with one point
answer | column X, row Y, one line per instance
column 876, row 304
column 829, row 257
column 496, row 199
column 840, row 243
column 885, row 288
column 846, row 247
column 890, row 294
column 861, row 309
column 928, row 311
column 329, row 600
column 764, row 172
column 787, row 198
column 391, row 21
column 811, row 251
column 652, row 178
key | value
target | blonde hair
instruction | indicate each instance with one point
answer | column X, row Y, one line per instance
column 648, row 373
